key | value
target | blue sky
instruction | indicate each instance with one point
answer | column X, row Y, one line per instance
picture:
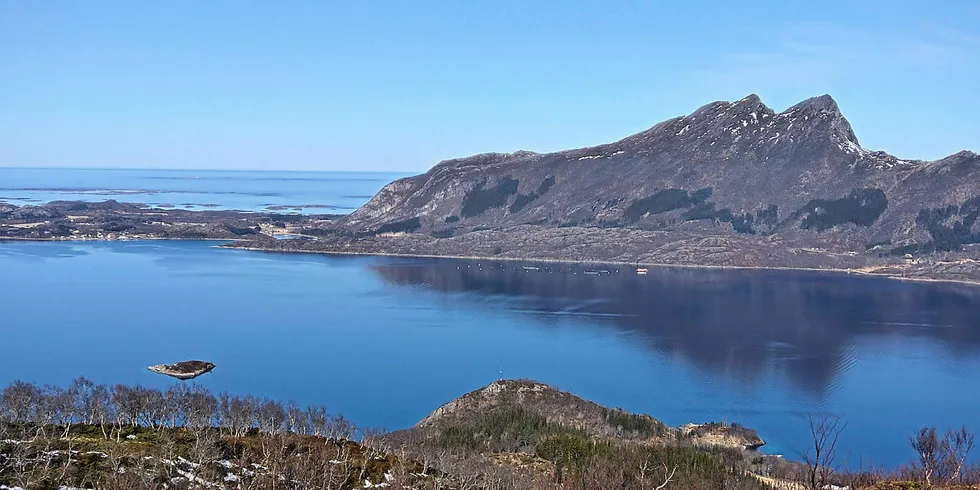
column 378, row 85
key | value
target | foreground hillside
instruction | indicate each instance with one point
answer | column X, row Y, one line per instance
column 507, row 435
column 732, row 184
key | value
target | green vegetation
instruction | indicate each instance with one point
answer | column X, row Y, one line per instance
column 705, row 210
column 402, row 226
column 950, row 228
column 768, row 216
column 861, row 207
column 741, row 223
column 913, row 249
column 698, row 208
column 185, row 437
column 546, row 185
column 445, row 233
column 665, row 200
column 579, row 459
column 480, row 199
column 523, row 200
column 701, row 195
column 117, row 227
column 641, row 425
column 509, row 429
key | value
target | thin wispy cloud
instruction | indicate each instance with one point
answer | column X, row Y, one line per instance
column 826, row 51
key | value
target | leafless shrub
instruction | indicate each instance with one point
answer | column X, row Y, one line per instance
column 821, row 457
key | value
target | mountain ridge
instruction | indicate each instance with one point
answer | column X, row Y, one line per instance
column 732, row 184
column 783, row 160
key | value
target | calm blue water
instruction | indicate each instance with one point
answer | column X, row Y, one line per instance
column 386, row 340
column 308, row 192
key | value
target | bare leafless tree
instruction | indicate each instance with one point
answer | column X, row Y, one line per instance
column 929, row 449
column 103, row 410
column 820, row 457
column 83, row 390
column 956, row 449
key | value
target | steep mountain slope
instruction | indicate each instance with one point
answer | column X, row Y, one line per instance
column 728, row 169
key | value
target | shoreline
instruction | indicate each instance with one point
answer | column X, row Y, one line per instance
column 858, row 272
column 618, row 263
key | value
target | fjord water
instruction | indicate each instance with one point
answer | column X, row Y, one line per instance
column 305, row 192
column 386, row 340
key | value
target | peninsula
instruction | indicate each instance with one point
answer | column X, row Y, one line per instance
column 733, row 184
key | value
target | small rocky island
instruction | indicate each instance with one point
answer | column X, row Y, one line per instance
column 183, row 370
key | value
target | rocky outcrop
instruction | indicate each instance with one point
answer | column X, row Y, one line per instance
column 183, row 370
column 724, row 435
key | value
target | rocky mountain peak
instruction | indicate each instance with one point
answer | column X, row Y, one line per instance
column 811, row 112
column 737, row 166
column 822, row 103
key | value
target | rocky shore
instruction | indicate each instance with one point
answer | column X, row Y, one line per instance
column 634, row 248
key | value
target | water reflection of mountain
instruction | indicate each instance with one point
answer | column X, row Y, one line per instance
column 741, row 323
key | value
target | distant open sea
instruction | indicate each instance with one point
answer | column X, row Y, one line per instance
column 302, row 192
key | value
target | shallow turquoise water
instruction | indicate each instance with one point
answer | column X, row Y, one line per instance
column 386, row 340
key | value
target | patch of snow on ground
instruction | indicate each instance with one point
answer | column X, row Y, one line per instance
column 683, row 130
column 852, row 147
column 188, row 463
column 620, row 152
column 589, row 157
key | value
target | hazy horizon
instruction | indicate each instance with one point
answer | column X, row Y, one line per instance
column 399, row 87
